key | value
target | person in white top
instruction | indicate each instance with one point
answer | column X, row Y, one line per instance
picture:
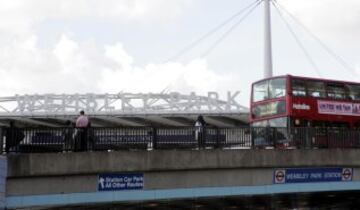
column 82, row 123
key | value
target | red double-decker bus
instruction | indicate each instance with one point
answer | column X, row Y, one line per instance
column 290, row 102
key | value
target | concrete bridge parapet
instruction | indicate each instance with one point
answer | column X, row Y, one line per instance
column 73, row 178
column 24, row 165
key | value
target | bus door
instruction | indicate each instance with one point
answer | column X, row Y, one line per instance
column 300, row 132
column 271, row 133
column 261, row 135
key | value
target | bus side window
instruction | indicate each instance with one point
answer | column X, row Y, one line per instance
column 336, row 91
column 298, row 87
column 316, row 89
column 354, row 91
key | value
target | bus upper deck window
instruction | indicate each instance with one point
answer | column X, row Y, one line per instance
column 269, row 89
column 336, row 91
column 298, row 87
column 261, row 91
column 354, row 92
column 277, row 88
column 316, row 89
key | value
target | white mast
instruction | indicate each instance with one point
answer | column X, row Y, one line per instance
column 268, row 71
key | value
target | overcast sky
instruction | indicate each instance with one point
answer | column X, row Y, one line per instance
column 108, row 46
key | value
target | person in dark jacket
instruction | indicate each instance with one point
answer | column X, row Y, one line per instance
column 200, row 125
column 90, row 138
column 68, row 136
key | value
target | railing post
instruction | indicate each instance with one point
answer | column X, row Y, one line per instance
column 308, row 137
column 357, row 137
column 274, row 136
column 203, row 142
column 327, row 137
column 268, row 136
column 1, row 141
column 217, row 138
column 252, row 137
column 154, row 138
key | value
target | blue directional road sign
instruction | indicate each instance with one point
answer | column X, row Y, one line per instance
column 114, row 182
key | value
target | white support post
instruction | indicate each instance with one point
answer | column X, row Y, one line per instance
column 268, row 71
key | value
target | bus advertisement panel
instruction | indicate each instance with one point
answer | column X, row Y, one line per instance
column 338, row 108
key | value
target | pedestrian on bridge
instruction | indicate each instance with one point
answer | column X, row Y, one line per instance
column 200, row 126
column 82, row 124
column 68, row 136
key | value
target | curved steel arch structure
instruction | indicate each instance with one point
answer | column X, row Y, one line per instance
column 116, row 108
column 121, row 103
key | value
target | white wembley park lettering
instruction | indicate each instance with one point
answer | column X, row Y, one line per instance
column 126, row 103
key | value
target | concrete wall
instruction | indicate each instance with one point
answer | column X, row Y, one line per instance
column 36, row 174
column 169, row 160
column 152, row 181
column 3, row 172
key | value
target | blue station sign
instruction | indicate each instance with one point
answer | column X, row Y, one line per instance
column 308, row 175
column 114, row 182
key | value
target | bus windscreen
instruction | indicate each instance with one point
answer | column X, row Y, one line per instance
column 269, row 89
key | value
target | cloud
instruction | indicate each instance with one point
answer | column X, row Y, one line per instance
column 329, row 17
column 22, row 15
column 84, row 67
column 337, row 24
column 118, row 54
column 194, row 76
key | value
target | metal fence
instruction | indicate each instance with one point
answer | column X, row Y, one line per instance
column 34, row 140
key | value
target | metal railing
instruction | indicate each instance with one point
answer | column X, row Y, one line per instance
column 34, row 140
